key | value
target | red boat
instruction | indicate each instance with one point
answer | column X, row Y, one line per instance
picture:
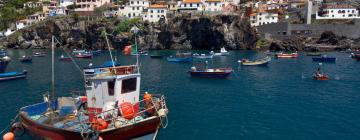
column 287, row 55
column 321, row 77
column 63, row 58
column 355, row 56
column 83, row 55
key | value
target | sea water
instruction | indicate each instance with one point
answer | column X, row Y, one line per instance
column 278, row 101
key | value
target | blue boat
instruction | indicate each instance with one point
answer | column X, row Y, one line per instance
column 324, row 58
column 4, row 61
column 179, row 59
column 12, row 75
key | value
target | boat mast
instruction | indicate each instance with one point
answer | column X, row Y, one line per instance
column 135, row 30
column 107, row 42
column 52, row 68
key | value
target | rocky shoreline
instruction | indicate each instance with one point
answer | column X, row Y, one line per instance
column 179, row 33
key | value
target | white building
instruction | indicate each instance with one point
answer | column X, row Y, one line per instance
column 334, row 11
column 65, row 3
column 155, row 12
column 21, row 24
column 135, row 8
column 214, row 5
column 32, row 4
column 264, row 17
column 89, row 5
column 196, row 5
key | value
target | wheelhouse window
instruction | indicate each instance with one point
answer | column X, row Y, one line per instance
column 111, row 86
column 128, row 85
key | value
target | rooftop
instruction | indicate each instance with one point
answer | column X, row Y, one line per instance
column 157, row 6
column 191, row 1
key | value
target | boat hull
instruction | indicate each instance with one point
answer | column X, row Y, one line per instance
column 3, row 65
column 47, row 132
column 221, row 75
column 321, row 78
column 12, row 77
column 323, row 59
column 179, row 60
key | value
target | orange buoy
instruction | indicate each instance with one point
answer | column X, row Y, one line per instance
column 99, row 124
column 9, row 136
column 127, row 50
column 147, row 96
column 127, row 110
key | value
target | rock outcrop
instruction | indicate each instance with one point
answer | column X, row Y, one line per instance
column 178, row 33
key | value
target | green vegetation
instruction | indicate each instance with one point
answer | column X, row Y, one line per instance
column 126, row 25
column 14, row 11
column 261, row 43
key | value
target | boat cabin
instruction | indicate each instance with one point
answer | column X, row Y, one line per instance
column 106, row 88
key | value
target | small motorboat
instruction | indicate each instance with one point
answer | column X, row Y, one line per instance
column 84, row 55
column 96, row 52
column 179, row 59
column 75, row 51
column 4, row 61
column 324, row 58
column 287, row 55
column 223, row 52
column 211, row 73
column 65, row 58
column 355, row 56
column 12, row 75
column 25, row 59
column 183, row 54
column 314, row 54
column 203, row 56
column 260, row 62
column 39, row 54
column 140, row 53
column 157, row 56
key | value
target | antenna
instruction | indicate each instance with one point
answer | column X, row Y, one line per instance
column 107, row 42
column 52, row 68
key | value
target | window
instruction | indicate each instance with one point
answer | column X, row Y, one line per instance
column 137, row 8
column 158, row 11
column 151, row 11
column 133, row 8
column 158, row 16
column 137, row 2
column 128, row 85
column 259, row 18
column 151, row 16
column 332, row 11
column 198, row 5
column 184, row 5
column 132, row 2
column 215, row 3
column 190, row 4
column 111, row 86
column 162, row 11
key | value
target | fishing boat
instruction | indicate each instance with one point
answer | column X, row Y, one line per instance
column 157, row 56
column 223, row 52
column 12, row 75
column 210, row 73
column 355, row 56
column 83, row 55
column 324, row 58
column 111, row 109
column 287, row 55
column 260, row 62
column 25, row 59
column 4, row 61
column 314, row 54
column 65, row 58
column 203, row 56
column 179, row 59
column 39, row 54
column 3, row 52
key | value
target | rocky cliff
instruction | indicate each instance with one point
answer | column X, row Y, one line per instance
column 178, row 33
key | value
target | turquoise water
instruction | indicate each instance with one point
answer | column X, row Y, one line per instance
column 280, row 101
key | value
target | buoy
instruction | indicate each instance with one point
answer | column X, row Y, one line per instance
column 147, row 96
column 127, row 110
column 9, row 136
column 99, row 124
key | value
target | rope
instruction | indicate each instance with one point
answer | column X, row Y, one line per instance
column 12, row 122
column 72, row 59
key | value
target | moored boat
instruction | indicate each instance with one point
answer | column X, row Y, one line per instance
column 25, row 59
column 260, row 62
column 3, row 52
column 75, row 51
column 183, row 54
column 324, row 58
column 65, row 58
column 319, row 75
column 211, row 73
column 179, row 59
column 39, row 54
column 355, row 56
column 4, row 61
column 83, row 55
column 157, row 56
column 287, row 55
column 96, row 52
column 12, row 75
column 203, row 56
column 223, row 52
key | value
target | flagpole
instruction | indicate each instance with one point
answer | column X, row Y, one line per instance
column 137, row 55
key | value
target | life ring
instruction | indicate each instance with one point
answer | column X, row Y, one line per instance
column 17, row 129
